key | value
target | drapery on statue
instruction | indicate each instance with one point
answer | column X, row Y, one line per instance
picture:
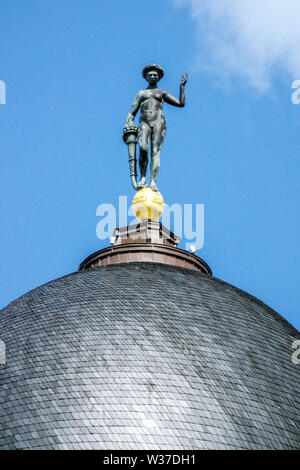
column 152, row 125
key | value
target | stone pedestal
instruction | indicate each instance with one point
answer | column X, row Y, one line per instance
column 148, row 241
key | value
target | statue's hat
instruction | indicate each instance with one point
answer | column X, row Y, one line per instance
column 156, row 67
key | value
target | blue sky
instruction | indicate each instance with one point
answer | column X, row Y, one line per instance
column 72, row 69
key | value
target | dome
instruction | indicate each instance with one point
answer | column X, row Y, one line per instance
column 144, row 355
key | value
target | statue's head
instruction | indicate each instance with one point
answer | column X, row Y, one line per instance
column 152, row 73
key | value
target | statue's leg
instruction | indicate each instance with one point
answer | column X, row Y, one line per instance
column 158, row 135
column 144, row 135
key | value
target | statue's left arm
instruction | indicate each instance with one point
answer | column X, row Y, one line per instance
column 181, row 101
column 133, row 110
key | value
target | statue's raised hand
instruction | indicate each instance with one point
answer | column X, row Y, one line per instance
column 184, row 79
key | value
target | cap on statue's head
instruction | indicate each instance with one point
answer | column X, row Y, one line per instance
column 156, row 67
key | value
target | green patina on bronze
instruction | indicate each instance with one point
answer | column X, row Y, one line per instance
column 152, row 125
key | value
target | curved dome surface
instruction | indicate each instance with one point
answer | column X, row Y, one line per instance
column 146, row 356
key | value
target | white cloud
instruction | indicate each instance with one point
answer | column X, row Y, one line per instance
column 253, row 39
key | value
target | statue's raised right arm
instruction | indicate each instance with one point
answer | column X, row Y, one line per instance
column 168, row 98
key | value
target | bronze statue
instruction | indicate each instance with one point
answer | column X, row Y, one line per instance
column 152, row 125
